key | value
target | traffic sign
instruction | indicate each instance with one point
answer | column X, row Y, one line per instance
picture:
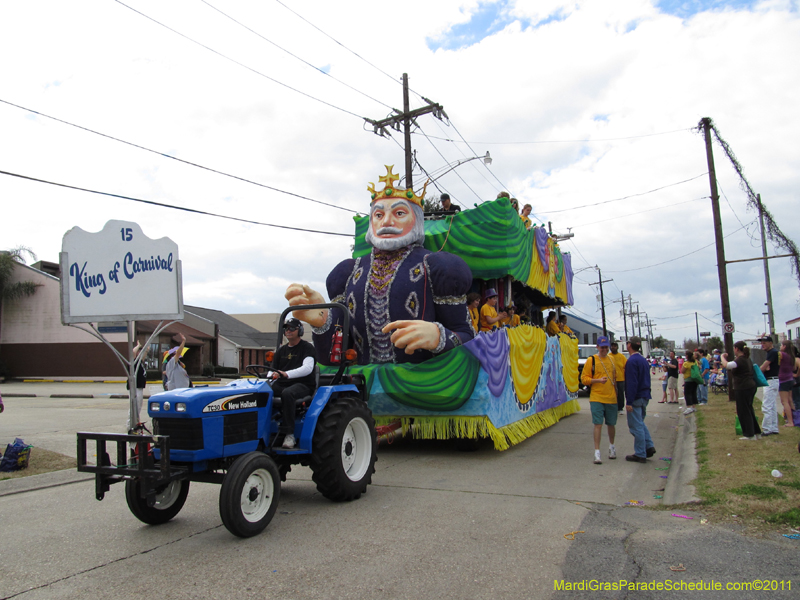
column 728, row 328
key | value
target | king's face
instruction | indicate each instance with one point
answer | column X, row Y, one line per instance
column 391, row 218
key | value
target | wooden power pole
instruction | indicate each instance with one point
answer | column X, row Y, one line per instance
column 405, row 119
column 600, row 282
column 721, row 265
column 770, row 314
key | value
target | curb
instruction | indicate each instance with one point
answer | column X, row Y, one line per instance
column 21, row 485
column 683, row 468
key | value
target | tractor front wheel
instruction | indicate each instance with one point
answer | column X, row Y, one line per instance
column 250, row 494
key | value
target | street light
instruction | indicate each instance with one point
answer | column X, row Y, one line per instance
column 487, row 160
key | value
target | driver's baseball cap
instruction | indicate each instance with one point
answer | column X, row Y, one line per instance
column 602, row 341
column 292, row 324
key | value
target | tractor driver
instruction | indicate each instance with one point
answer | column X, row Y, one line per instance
column 293, row 376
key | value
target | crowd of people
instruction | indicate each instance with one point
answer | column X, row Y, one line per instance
column 702, row 370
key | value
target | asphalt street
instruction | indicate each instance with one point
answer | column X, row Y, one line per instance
column 435, row 523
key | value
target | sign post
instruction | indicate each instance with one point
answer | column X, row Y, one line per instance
column 120, row 275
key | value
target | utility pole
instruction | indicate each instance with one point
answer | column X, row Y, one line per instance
column 630, row 312
column 721, row 265
column 600, row 282
column 624, row 314
column 697, row 329
column 766, row 272
column 406, row 119
column 639, row 321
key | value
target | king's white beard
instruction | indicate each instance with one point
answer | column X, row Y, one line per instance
column 415, row 236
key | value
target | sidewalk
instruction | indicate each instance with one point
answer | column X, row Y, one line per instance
column 82, row 388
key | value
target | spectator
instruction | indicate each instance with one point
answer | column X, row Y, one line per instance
column 672, row 378
column 796, row 388
column 599, row 375
column 177, row 377
column 786, row 381
column 705, row 371
column 637, row 378
column 619, row 363
column 770, row 368
column 744, row 389
column 689, row 386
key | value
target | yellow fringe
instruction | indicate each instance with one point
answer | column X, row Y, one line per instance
column 443, row 427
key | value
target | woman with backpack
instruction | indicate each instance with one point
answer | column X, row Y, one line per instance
column 744, row 389
column 691, row 379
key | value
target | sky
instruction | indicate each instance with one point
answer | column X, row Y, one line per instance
column 256, row 111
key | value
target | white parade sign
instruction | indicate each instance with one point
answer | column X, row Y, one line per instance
column 119, row 274
column 728, row 328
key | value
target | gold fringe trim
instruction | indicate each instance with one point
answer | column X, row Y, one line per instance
column 443, row 427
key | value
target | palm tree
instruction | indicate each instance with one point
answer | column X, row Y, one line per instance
column 8, row 260
column 13, row 291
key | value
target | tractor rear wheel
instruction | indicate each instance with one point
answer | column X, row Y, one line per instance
column 343, row 457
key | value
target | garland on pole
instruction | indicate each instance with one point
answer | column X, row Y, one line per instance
column 773, row 231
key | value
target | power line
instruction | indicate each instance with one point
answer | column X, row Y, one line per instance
column 330, row 37
column 677, row 257
column 172, row 206
column 663, row 187
column 631, row 137
column 638, row 212
column 502, row 185
column 175, row 31
column 186, row 162
column 457, row 174
column 305, row 62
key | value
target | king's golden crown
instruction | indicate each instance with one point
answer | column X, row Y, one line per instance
column 391, row 191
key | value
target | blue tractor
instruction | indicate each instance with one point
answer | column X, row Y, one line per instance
column 229, row 436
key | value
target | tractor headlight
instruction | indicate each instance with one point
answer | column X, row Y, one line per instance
column 155, row 406
column 180, row 407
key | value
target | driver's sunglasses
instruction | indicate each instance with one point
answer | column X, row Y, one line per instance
column 292, row 328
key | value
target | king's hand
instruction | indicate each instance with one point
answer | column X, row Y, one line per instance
column 413, row 335
column 298, row 295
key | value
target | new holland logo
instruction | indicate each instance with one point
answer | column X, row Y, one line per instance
column 232, row 403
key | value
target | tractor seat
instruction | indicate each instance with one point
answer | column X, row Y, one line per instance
column 304, row 402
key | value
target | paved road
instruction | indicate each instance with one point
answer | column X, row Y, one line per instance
column 436, row 523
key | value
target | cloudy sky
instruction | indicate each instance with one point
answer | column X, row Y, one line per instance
column 586, row 107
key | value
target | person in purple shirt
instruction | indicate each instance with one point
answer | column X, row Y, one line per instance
column 637, row 395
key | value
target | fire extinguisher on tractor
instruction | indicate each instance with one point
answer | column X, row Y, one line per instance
column 336, row 346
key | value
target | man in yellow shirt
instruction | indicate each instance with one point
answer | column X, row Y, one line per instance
column 619, row 362
column 599, row 374
column 489, row 318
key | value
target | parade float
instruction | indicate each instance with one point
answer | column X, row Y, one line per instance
column 506, row 384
